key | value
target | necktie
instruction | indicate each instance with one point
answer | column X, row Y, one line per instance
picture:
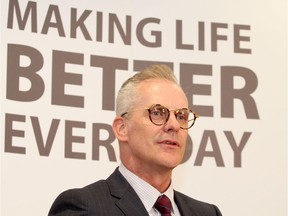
column 163, row 205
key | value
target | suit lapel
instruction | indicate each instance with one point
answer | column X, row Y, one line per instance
column 126, row 198
column 184, row 208
column 131, row 205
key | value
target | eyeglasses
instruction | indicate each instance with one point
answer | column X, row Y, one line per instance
column 159, row 115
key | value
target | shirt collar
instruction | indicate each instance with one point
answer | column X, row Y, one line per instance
column 146, row 192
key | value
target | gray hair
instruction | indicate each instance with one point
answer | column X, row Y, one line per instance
column 127, row 95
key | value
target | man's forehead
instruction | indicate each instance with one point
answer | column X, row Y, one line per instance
column 165, row 92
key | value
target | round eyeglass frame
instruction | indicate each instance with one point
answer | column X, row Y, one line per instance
column 175, row 111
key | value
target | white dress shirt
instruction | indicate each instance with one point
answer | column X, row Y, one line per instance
column 147, row 193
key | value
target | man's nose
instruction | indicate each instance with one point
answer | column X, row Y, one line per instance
column 172, row 123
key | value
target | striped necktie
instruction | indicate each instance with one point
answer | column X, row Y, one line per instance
column 163, row 205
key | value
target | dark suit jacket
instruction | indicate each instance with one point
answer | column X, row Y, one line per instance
column 115, row 197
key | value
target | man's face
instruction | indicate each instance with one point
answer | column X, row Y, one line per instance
column 152, row 147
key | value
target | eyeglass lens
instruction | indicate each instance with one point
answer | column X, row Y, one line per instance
column 159, row 115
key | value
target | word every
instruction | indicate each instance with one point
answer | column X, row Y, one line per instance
column 71, row 140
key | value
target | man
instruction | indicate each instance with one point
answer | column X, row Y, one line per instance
column 151, row 125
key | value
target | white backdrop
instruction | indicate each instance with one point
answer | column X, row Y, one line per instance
column 63, row 61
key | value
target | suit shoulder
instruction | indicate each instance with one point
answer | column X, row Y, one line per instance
column 96, row 187
column 196, row 206
column 186, row 198
column 79, row 200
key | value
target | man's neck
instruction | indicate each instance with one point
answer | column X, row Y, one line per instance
column 158, row 177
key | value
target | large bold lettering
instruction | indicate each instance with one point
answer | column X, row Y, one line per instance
column 60, row 77
column 30, row 9
column 140, row 34
column 215, row 36
column 237, row 149
column 44, row 149
column 179, row 37
column 70, row 139
column 15, row 72
column 202, row 152
column 109, row 66
column 113, row 20
column 10, row 132
column 229, row 93
column 187, row 72
column 53, row 9
column 97, row 142
column 75, row 23
column 239, row 38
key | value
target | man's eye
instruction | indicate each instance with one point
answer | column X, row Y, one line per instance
column 158, row 113
column 181, row 117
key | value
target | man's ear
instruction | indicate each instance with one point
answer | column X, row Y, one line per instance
column 119, row 128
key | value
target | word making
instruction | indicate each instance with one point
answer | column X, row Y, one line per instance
column 113, row 28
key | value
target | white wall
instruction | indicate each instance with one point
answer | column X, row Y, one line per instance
column 246, row 181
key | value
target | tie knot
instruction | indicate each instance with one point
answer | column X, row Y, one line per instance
column 163, row 205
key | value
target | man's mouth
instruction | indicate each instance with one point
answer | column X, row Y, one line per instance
column 168, row 142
